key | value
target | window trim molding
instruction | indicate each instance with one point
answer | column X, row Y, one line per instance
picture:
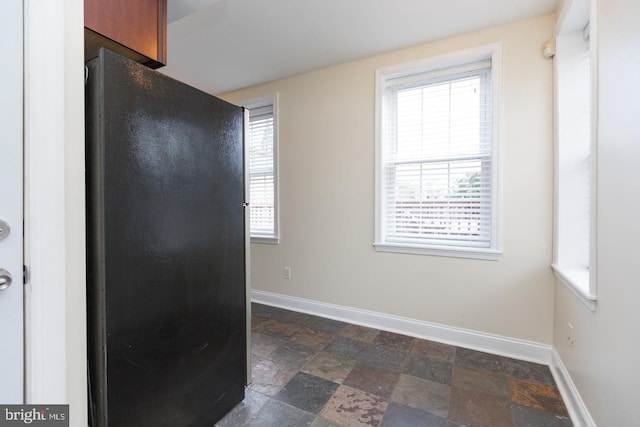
column 261, row 101
column 582, row 282
column 491, row 51
column 577, row 280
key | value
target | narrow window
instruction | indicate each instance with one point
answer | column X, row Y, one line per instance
column 575, row 156
column 262, row 147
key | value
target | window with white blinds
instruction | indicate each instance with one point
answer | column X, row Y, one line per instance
column 262, row 172
column 436, row 161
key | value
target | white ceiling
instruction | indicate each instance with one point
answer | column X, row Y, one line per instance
column 222, row 45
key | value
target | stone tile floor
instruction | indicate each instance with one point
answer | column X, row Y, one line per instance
column 311, row 371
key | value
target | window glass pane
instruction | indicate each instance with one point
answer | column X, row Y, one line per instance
column 261, row 169
column 442, row 200
column 443, row 119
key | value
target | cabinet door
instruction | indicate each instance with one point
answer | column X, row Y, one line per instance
column 136, row 29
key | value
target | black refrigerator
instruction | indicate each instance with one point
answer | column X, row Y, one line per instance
column 166, row 249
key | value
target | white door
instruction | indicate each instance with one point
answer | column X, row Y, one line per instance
column 11, row 204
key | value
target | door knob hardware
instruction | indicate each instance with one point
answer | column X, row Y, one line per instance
column 5, row 279
column 4, row 229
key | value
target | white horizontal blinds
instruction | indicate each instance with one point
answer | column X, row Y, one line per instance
column 438, row 157
column 261, row 172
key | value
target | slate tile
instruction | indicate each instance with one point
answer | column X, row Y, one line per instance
column 429, row 368
column 535, row 395
column 393, row 340
column 359, row 333
column 433, row 349
column 270, row 311
column 530, row 417
column 374, row 381
column 351, row 407
column 307, row 392
column 529, row 371
column 278, row 414
column 259, row 310
column 263, row 345
column 255, row 360
column 383, row 358
column 478, row 360
column 346, row 347
column 323, row 422
column 422, row 394
column 398, row 415
column 259, row 322
column 483, row 381
column 268, row 377
column 329, row 366
column 302, row 319
column 476, row 409
column 326, row 325
column 293, row 353
column 312, row 338
column 277, row 313
column 279, row 329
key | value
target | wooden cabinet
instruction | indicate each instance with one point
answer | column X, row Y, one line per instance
column 136, row 29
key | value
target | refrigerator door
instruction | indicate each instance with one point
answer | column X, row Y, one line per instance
column 166, row 249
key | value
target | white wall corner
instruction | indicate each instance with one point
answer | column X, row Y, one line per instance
column 578, row 411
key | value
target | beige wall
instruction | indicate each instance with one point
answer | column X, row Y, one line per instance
column 603, row 362
column 327, row 198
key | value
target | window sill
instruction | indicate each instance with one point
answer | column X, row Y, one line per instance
column 444, row 251
column 266, row 240
column 577, row 280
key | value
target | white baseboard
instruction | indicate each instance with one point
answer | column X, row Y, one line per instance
column 496, row 344
column 510, row 347
column 578, row 411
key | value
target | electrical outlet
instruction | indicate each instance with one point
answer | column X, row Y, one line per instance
column 570, row 334
column 287, row 272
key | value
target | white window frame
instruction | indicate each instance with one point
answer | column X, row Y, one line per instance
column 491, row 51
column 253, row 103
column 578, row 277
